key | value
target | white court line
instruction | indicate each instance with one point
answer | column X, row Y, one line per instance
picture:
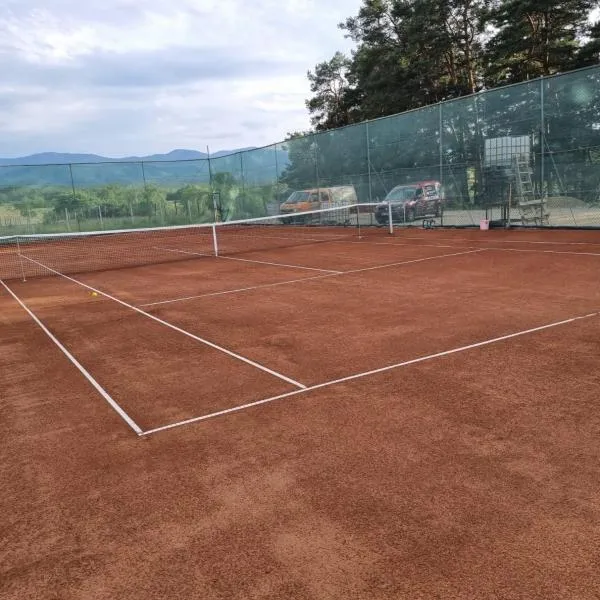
column 407, row 262
column 511, row 241
column 236, row 290
column 288, row 282
column 259, row 262
column 545, row 251
column 174, row 327
column 82, row 369
column 366, row 374
column 365, row 241
column 262, row 262
column 478, row 247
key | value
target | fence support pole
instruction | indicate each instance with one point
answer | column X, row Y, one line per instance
column 21, row 259
column 543, row 192
column 316, row 153
column 72, row 184
column 276, row 191
column 369, row 161
column 440, row 141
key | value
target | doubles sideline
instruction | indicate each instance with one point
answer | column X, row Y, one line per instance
column 77, row 364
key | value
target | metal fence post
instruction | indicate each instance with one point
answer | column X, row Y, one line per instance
column 72, row 183
column 276, row 179
column 440, row 142
column 316, row 155
column 369, row 161
column 542, row 140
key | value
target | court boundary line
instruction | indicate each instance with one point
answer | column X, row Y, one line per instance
column 367, row 374
column 175, row 327
column 473, row 247
column 259, row 262
column 545, row 251
column 521, row 241
column 109, row 399
column 291, row 281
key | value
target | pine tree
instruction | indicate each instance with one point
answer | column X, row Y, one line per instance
column 414, row 52
column 534, row 38
column 329, row 106
column 590, row 52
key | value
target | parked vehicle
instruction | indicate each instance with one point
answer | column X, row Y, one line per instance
column 411, row 201
column 302, row 201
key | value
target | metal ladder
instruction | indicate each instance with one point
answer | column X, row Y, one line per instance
column 533, row 210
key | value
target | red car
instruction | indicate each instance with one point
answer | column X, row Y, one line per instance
column 411, row 201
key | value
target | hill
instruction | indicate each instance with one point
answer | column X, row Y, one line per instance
column 174, row 169
column 61, row 158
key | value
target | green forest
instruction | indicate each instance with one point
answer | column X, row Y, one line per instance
column 413, row 53
column 427, row 85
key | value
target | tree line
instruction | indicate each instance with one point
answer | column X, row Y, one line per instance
column 150, row 204
column 412, row 53
column 468, row 54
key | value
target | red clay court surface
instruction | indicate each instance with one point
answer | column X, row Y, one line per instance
column 407, row 416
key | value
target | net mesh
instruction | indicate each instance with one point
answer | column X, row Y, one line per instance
column 27, row 256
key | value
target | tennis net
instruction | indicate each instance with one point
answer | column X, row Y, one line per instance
column 26, row 256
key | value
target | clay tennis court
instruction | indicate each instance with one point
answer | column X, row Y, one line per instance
column 355, row 415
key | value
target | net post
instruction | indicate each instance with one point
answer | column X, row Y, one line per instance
column 358, row 220
column 391, row 225
column 215, row 242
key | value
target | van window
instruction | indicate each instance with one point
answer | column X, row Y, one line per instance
column 299, row 197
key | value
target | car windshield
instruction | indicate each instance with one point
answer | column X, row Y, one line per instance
column 407, row 192
column 301, row 197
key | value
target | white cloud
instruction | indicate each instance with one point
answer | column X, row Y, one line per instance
column 134, row 77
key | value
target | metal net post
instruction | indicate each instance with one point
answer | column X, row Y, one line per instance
column 215, row 241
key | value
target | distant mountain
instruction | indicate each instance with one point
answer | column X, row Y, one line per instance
column 176, row 168
column 59, row 158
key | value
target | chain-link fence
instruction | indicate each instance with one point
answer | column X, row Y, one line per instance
column 528, row 154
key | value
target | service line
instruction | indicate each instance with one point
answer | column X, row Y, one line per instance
column 368, row 373
column 325, row 276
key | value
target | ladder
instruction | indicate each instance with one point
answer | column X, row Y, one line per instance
column 533, row 210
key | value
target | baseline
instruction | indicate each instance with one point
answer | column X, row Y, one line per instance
column 368, row 373
column 174, row 327
column 116, row 407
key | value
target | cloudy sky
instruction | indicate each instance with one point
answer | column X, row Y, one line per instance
column 125, row 77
